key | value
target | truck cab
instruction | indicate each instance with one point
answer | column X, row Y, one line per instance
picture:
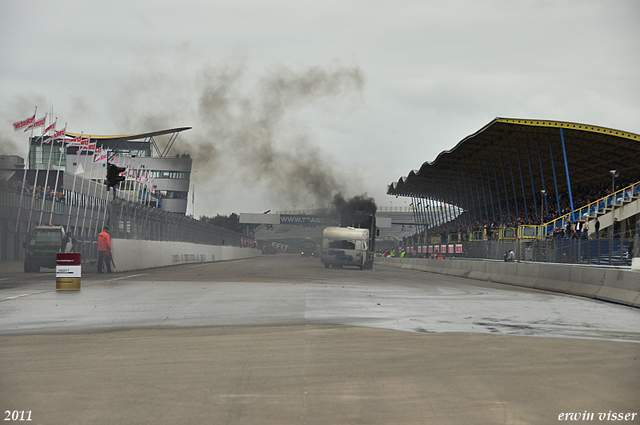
column 43, row 245
column 308, row 247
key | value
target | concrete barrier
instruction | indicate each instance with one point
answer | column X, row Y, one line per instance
column 130, row 254
column 621, row 287
column 616, row 285
column 553, row 277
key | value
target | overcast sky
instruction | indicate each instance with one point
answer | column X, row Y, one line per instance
column 292, row 101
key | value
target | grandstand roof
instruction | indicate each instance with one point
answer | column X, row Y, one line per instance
column 524, row 144
column 138, row 136
column 136, row 141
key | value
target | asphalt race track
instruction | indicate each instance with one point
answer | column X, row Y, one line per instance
column 282, row 340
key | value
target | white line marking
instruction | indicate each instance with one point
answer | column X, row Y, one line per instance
column 125, row 277
column 17, row 296
column 199, row 265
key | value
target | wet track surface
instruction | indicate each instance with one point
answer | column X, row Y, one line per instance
column 282, row 340
column 289, row 289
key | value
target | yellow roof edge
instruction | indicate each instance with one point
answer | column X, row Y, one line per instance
column 572, row 126
column 96, row 137
column 130, row 136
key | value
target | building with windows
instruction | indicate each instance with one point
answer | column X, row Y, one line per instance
column 170, row 173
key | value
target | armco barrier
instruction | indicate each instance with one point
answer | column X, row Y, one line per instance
column 610, row 284
column 134, row 254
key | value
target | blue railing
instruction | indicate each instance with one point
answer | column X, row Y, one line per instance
column 598, row 207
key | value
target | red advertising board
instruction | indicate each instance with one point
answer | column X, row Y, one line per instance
column 68, row 259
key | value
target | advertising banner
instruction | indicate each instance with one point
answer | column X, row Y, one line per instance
column 68, row 271
column 303, row 220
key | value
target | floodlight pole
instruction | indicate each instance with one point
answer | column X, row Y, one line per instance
column 614, row 174
column 566, row 168
column 543, row 193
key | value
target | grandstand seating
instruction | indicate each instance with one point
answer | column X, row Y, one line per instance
column 625, row 201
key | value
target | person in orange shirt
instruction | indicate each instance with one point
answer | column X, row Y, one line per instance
column 104, row 250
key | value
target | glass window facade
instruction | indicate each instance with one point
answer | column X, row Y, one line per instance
column 47, row 154
column 177, row 175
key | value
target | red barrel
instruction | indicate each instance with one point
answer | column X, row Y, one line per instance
column 68, row 271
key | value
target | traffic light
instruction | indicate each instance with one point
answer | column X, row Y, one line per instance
column 113, row 175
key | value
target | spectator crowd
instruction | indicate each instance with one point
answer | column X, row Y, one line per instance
column 468, row 222
column 16, row 186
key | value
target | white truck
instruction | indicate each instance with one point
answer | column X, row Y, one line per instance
column 347, row 246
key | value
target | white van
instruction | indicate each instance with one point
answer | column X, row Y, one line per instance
column 346, row 246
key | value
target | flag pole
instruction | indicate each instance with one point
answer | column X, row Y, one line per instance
column 136, row 171
column 35, row 180
column 143, row 184
column 73, row 188
column 141, row 194
column 84, row 216
column 46, row 178
column 82, row 192
column 55, row 186
column 104, row 215
column 140, row 188
column 95, row 191
column 135, row 183
column 24, row 175
column 127, row 181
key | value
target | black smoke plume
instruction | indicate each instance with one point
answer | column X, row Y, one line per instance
column 355, row 212
column 249, row 131
column 254, row 135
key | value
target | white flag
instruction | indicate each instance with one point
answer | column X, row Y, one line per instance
column 76, row 141
column 79, row 169
column 19, row 125
column 57, row 135
column 100, row 156
column 37, row 123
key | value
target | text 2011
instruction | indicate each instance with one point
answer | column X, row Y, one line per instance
column 17, row 415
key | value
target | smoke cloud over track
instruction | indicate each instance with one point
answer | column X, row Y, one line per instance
column 252, row 132
column 255, row 136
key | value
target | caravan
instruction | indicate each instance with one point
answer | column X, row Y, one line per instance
column 347, row 246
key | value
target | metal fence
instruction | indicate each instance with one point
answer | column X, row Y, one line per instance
column 609, row 251
column 129, row 220
column 15, row 200
column 20, row 214
column 613, row 250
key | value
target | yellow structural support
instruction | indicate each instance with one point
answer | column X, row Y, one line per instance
column 454, row 237
column 508, row 234
column 478, row 235
column 529, row 232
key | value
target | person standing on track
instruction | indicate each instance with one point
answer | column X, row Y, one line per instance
column 104, row 249
column 67, row 243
